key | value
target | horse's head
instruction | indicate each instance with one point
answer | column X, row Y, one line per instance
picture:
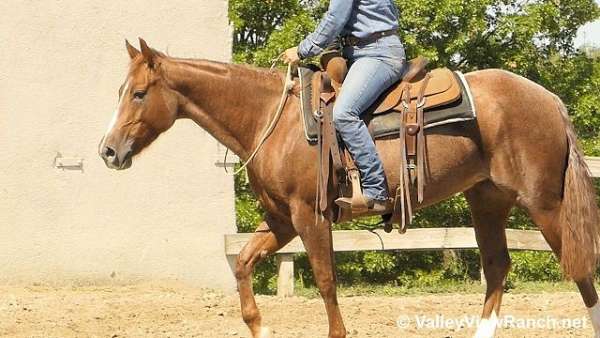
column 147, row 107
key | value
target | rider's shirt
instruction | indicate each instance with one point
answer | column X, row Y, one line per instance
column 359, row 18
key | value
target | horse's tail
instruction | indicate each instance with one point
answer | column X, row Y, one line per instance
column 579, row 215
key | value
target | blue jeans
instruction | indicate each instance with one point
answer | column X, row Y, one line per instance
column 373, row 69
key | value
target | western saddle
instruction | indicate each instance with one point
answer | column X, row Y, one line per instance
column 418, row 91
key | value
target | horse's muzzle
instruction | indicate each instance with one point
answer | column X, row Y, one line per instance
column 118, row 160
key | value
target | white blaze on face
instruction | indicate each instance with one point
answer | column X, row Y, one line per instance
column 115, row 117
column 487, row 327
column 594, row 312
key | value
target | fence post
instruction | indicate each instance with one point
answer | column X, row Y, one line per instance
column 285, row 275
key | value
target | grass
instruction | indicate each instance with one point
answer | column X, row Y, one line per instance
column 444, row 287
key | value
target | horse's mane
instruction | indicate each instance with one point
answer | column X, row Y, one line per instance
column 219, row 67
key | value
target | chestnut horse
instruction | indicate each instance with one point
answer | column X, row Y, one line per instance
column 521, row 151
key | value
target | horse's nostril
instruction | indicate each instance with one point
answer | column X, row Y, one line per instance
column 109, row 152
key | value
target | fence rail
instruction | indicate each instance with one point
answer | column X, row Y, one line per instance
column 413, row 240
column 594, row 163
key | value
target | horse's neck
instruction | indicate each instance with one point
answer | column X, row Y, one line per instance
column 233, row 103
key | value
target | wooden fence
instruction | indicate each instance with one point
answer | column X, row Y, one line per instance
column 594, row 163
column 413, row 240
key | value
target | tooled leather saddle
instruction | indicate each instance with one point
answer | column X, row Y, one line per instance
column 420, row 100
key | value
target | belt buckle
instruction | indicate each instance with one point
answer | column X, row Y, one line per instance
column 347, row 41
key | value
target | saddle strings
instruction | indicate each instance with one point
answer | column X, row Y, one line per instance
column 288, row 86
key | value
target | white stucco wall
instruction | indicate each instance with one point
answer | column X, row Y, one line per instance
column 61, row 64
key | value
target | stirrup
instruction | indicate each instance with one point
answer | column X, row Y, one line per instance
column 371, row 207
column 359, row 203
column 349, row 203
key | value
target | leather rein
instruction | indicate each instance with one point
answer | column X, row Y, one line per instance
column 287, row 88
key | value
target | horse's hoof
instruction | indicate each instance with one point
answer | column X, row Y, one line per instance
column 266, row 332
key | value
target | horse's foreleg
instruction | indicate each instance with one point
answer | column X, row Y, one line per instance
column 268, row 238
column 318, row 243
column 490, row 209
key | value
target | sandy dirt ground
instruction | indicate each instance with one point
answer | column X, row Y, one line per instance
column 170, row 310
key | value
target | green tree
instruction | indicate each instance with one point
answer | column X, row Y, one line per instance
column 254, row 21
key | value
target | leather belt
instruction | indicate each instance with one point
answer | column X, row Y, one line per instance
column 351, row 40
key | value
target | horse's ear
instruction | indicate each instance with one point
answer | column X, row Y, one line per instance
column 133, row 53
column 147, row 52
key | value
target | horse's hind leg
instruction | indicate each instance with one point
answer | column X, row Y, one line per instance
column 548, row 223
column 269, row 237
column 490, row 208
column 590, row 298
column 317, row 241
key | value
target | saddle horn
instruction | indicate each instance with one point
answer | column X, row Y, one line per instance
column 336, row 67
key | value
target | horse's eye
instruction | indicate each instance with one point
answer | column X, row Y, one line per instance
column 139, row 95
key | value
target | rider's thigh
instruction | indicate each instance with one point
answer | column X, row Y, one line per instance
column 367, row 78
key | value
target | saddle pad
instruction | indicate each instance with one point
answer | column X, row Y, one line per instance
column 460, row 111
column 306, row 105
column 388, row 124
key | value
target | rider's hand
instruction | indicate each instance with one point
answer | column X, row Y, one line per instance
column 291, row 56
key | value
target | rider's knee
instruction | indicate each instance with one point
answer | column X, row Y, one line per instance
column 342, row 116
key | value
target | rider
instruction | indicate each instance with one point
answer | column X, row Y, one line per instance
column 375, row 54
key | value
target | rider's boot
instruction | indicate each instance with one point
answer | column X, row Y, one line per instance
column 371, row 206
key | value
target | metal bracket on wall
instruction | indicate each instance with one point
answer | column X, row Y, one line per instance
column 229, row 163
column 68, row 163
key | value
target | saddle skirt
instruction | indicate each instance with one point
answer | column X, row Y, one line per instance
column 448, row 99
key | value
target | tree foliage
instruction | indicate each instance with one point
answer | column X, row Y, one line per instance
column 533, row 38
column 254, row 21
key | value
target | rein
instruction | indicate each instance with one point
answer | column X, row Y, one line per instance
column 288, row 86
